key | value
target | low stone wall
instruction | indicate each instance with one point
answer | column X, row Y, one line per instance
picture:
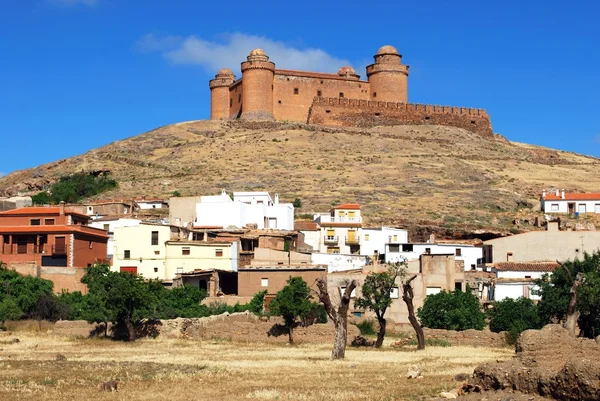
column 477, row 338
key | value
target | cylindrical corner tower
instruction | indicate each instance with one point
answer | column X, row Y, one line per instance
column 219, row 94
column 257, row 83
column 388, row 77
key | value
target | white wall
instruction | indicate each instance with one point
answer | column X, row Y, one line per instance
column 151, row 205
column 338, row 262
column 591, row 206
column 112, row 224
column 143, row 255
column 312, row 238
column 469, row 254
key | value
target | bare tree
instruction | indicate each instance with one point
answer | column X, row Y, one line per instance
column 572, row 311
column 339, row 316
column 407, row 297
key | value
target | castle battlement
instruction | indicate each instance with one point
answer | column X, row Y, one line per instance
column 266, row 93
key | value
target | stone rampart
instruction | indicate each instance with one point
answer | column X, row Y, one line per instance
column 369, row 113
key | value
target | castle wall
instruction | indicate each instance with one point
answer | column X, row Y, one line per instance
column 362, row 113
column 235, row 99
column 293, row 105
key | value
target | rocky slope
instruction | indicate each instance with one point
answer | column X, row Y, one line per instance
column 429, row 178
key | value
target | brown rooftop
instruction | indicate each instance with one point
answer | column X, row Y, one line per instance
column 537, row 266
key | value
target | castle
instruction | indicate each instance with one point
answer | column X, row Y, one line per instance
column 342, row 99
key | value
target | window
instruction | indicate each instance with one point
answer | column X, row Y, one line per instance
column 473, row 267
column 458, row 286
column 581, row 208
column 597, row 208
column 239, row 98
column 264, row 282
column 394, row 248
column 394, row 293
column 154, row 240
column 230, row 102
column 433, row 290
column 35, row 222
column 218, row 253
column 296, row 91
column 473, row 122
column 106, row 227
column 89, row 208
column 554, row 207
column 458, row 252
column 333, row 249
column 185, row 250
column 366, row 237
column 156, row 270
column 327, row 111
column 49, row 222
column 90, row 244
column 157, row 252
column 428, row 251
column 180, row 270
column 527, row 276
column 319, row 93
column 352, row 294
column 279, row 101
column 321, row 82
column 153, row 206
column 374, row 94
column 395, row 238
column 407, row 247
column 127, row 254
column 341, row 94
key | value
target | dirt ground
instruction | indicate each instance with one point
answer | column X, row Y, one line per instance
column 43, row 366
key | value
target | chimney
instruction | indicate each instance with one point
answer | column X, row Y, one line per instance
column 277, row 199
column 557, row 194
column 223, row 192
column 432, row 238
column 61, row 206
column 562, row 194
column 544, row 193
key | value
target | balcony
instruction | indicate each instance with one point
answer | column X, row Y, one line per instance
column 59, row 249
column 352, row 240
column 341, row 219
column 331, row 240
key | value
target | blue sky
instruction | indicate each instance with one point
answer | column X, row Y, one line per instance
column 78, row 74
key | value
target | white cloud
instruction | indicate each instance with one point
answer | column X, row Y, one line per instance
column 70, row 3
column 232, row 49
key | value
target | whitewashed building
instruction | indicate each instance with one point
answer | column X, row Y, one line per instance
column 336, row 262
column 146, row 204
column 245, row 209
column 373, row 240
column 109, row 225
column 470, row 255
column 570, row 203
column 515, row 279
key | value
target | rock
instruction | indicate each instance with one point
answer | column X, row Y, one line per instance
column 15, row 340
column 413, row 372
column 61, row 357
column 461, row 377
column 360, row 341
column 448, row 395
column 598, row 340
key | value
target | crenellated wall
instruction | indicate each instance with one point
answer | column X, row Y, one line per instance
column 369, row 113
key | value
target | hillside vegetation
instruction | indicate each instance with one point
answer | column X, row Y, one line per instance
column 423, row 177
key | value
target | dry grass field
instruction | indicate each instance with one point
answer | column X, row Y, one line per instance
column 175, row 369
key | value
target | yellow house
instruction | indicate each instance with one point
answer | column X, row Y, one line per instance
column 188, row 256
column 341, row 230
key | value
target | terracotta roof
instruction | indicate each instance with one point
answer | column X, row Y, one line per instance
column 346, row 206
column 315, row 75
column 572, row 197
column 306, row 226
column 544, row 266
column 208, row 227
column 39, row 210
column 284, row 267
column 53, row 229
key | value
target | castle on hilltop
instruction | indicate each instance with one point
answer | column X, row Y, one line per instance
column 343, row 99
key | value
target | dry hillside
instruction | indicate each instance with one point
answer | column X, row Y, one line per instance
column 423, row 177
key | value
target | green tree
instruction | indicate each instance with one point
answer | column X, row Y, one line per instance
column 555, row 291
column 26, row 290
column 376, row 296
column 514, row 316
column 74, row 187
column 9, row 310
column 257, row 303
column 291, row 303
column 176, row 194
column 297, row 203
column 454, row 310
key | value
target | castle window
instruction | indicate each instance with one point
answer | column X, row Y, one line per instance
column 377, row 114
column 230, row 102
column 472, row 122
column 319, row 93
column 239, row 98
column 288, row 79
column 327, row 111
column 427, row 118
column 341, row 94
column 359, row 85
column 296, row 91
column 374, row 94
column 321, row 81
column 279, row 101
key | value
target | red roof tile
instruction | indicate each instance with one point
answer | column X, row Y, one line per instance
column 306, row 226
column 572, row 197
column 39, row 210
column 347, row 206
column 54, row 229
column 545, row 266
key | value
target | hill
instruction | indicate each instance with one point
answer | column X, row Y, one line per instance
column 426, row 177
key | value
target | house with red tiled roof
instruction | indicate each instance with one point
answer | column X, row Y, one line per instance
column 516, row 279
column 341, row 229
column 570, row 203
column 47, row 240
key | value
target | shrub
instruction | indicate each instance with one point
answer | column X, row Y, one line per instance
column 366, row 328
column 514, row 316
column 74, row 187
column 454, row 310
column 432, row 342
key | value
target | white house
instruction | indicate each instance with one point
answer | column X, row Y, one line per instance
column 109, row 225
column 340, row 230
column 566, row 203
column 515, row 279
column 311, row 231
column 246, row 208
column 373, row 240
column 146, row 204
column 469, row 254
